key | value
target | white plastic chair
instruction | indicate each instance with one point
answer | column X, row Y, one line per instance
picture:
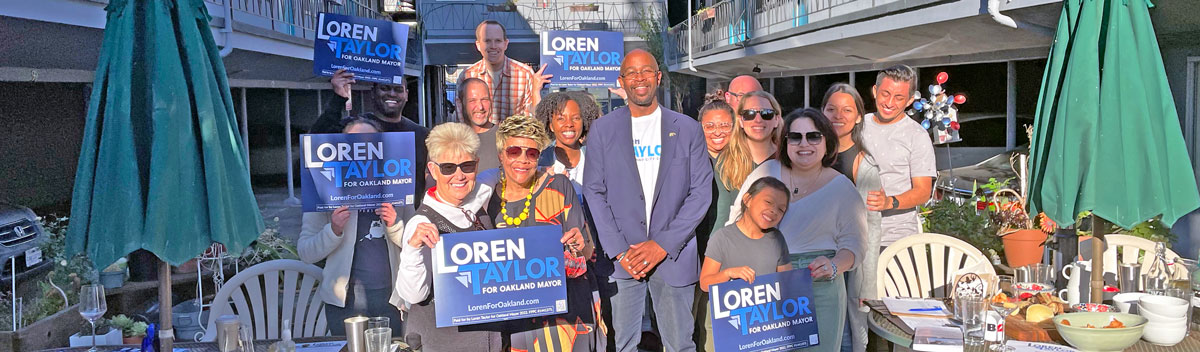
column 1123, row 249
column 264, row 295
column 923, row 265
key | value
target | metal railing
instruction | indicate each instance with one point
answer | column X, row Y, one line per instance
column 733, row 22
column 299, row 17
column 453, row 18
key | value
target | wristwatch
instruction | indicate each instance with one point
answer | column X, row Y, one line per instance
column 833, row 266
column 895, row 203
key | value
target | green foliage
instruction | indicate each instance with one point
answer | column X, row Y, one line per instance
column 269, row 246
column 128, row 326
column 962, row 221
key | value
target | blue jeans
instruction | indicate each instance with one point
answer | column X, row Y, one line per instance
column 672, row 307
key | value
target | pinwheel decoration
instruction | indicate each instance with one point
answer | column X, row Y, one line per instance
column 938, row 114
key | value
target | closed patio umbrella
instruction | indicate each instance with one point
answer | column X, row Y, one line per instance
column 1106, row 131
column 161, row 167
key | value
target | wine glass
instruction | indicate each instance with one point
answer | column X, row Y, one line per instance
column 1004, row 305
column 92, row 306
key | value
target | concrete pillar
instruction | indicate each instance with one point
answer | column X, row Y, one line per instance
column 807, row 86
column 1010, row 135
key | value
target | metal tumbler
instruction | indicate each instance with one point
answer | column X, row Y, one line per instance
column 1130, row 277
column 356, row 340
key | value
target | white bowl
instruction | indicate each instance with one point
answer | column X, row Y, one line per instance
column 1161, row 319
column 1127, row 301
column 1163, row 305
column 1164, row 335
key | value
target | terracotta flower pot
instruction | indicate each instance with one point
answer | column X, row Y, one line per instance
column 1023, row 247
column 136, row 340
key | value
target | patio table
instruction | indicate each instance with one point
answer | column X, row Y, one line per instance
column 887, row 326
column 259, row 345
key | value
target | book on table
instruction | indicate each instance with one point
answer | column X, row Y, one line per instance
column 938, row 339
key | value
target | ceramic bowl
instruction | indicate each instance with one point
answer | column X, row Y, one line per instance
column 1163, row 305
column 1161, row 319
column 1099, row 339
column 1127, row 301
column 1024, row 290
column 1165, row 334
column 1093, row 307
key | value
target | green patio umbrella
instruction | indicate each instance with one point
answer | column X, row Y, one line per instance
column 161, row 167
column 1106, row 134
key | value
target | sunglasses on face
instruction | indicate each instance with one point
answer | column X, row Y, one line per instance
column 813, row 137
column 467, row 167
column 514, row 152
column 766, row 114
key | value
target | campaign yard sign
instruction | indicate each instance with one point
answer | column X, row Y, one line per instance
column 496, row 275
column 773, row 314
column 371, row 49
column 358, row 170
column 583, row 58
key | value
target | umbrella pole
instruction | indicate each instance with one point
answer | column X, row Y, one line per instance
column 166, row 333
column 1098, row 226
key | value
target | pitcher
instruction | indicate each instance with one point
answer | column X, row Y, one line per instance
column 1078, row 275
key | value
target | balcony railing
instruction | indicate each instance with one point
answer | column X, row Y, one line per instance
column 299, row 17
column 733, row 22
column 456, row 18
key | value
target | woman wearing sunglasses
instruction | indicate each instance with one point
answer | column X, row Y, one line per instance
column 825, row 225
column 356, row 245
column 754, row 139
column 844, row 108
column 455, row 204
column 525, row 196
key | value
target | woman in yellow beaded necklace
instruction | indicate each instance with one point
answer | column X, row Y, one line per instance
column 526, row 197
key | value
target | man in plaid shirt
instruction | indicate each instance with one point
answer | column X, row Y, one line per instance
column 515, row 87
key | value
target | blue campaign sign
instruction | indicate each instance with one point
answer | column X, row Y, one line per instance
column 583, row 58
column 773, row 314
column 495, row 275
column 358, row 170
column 371, row 49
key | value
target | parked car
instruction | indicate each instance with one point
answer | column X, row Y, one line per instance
column 21, row 237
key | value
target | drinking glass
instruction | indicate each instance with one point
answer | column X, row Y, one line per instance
column 1004, row 306
column 92, row 306
column 378, row 322
column 379, row 339
column 1039, row 273
column 974, row 317
column 1005, row 284
column 246, row 338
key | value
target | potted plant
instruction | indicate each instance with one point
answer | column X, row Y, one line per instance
column 1024, row 238
column 706, row 13
column 110, row 335
column 585, row 8
column 132, row 331
column 43, row 319
column 113, row 276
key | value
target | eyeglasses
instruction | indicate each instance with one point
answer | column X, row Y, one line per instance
column 736, row 95
column 467, row 167
column 514, row 151
column 813, row 137
column 643, row 73
column 474, row 219
column 718, row 127
column 766, row 114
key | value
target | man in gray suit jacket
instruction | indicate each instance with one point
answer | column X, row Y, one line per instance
column 648, row 184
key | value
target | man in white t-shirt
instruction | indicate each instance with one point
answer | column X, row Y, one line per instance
column 648, row 182
column 904, row 152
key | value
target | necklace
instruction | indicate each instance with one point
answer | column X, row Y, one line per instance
column 807, row 188
column 514, row 221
